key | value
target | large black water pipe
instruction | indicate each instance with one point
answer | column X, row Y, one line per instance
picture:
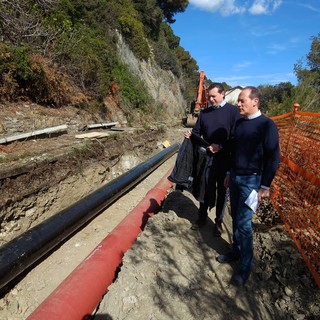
column 20, row 253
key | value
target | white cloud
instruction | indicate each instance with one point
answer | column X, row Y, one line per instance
column 310, row 7
column 259, row 31
column 230, row 7
column 258, row 79
column 225, row 7
column 264, row 6
column 294, row 40
column 240, row 66
column 276, row 48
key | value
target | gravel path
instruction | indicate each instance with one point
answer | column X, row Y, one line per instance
column 171, row 273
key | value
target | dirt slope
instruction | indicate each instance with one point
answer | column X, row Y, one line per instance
column 43, row 175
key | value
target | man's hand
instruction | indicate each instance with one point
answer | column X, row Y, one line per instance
column 263, row 193
column 213, row 148
column 226, row 181
column 187, row 134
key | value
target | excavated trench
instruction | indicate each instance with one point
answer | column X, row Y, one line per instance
column 45, row 183
column 68, row 175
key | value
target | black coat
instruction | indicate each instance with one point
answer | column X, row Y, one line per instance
column 191, row 166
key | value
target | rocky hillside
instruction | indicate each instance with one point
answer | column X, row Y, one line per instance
column 119, row 61
column 163, row 86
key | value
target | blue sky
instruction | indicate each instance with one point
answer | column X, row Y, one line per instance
column 248, row 42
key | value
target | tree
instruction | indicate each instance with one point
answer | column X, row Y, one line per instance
column 308, row 74
column 314, row 54
column 172, row 40
column 276, row 99
column 151, row 16
column 171, row 7
column 311, row 72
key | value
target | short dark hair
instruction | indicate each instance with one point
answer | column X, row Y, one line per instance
column 217, row 85
column 254, row 92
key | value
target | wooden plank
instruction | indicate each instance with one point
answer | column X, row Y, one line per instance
column 101, row 125
column 92, row 135
column 35, row 133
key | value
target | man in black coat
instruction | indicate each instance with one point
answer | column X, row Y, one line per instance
column 215, row 125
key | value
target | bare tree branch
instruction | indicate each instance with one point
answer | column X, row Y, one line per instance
column 19, row 21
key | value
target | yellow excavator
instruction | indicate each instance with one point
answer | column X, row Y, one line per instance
column 198, row 104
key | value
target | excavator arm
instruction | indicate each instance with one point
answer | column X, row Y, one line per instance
column 200, row 102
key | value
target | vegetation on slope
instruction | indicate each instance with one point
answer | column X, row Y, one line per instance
column 60, row 52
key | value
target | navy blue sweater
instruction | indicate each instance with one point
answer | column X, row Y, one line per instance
column 217, row 125
column 255, row 148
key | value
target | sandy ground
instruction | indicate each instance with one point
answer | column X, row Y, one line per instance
column 171, row 272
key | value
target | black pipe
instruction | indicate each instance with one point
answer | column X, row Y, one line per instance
column 23, row 251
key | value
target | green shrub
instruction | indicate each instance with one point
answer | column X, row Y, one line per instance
column 166, row 59
column 17, row 71
column 132, row 89
column 133, row 31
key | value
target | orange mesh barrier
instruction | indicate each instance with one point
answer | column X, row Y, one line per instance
column 296, row 187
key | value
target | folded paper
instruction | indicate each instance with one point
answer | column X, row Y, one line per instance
column 252, row 200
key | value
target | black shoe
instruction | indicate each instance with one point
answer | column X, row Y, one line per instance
column 240, row 278
column 198, row 224
column 217, row 229
column 230, row 257
column 237, row 280
column 179, row 187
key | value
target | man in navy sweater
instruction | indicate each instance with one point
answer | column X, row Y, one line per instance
column 255, row 155
column 216, row 126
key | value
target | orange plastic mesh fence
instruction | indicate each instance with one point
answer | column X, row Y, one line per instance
column 296, row 187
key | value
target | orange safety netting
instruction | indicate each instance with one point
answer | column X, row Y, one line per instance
column 296, row 187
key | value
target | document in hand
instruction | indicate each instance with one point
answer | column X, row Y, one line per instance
column 252, row 200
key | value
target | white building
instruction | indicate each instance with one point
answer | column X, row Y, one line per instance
column 232, row 94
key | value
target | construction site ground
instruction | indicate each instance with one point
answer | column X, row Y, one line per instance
column 171, row 271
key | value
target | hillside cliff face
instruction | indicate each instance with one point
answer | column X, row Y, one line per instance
column 162, row 85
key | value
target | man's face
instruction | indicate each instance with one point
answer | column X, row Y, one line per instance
column 246, row 105
column 215, row 97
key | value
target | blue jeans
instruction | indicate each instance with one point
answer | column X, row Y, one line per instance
column 240, row 188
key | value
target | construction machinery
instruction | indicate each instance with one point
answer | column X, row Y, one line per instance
column 199, row 103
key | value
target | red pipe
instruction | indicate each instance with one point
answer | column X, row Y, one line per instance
column 80, row 293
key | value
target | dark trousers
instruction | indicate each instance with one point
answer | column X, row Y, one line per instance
column 215, row 194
